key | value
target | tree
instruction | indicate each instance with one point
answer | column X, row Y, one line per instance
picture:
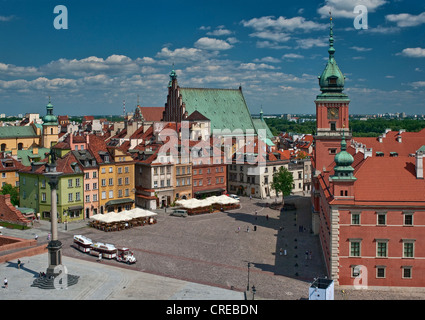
column 283, row 181
column 13, row 191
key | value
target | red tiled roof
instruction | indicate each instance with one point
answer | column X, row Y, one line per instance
column 152, row 113
column 9, row 213
column 410, row 142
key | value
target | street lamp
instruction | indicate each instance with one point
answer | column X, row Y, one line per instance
column 254, row 291
column 249, row 265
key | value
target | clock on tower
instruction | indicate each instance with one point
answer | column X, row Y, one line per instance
column 333, row 113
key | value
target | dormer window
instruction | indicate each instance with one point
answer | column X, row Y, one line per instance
column 332, row 80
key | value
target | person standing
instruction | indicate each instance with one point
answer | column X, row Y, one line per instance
column 19, row 264
column 6, row 283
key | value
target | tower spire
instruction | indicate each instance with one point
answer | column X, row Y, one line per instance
column 331, row 37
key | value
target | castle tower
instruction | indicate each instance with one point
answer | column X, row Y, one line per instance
column 331, row 111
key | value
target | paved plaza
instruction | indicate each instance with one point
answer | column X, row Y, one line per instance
column 197, row 257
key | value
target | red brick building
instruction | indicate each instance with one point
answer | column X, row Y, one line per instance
column 368, row 196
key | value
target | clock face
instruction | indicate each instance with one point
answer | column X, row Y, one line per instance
column 333, row 113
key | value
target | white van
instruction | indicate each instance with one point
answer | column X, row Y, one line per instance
column 179, row 213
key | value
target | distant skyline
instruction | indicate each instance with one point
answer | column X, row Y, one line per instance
column 118, row 50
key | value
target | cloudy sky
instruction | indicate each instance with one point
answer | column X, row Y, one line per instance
column 117, row 50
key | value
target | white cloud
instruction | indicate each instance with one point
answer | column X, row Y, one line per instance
column 274, row 36
column 254, row 66
column 12, row 70
column 361, row 49
column 268, row 60
column 212, row 44
column 220, row 32
column 406, row 19
column 282, row 23
column 6, row 18
column 345, row 8
column 292, row 56
column 417, row 84
column 309, row 43
column 270, row 45
column 413, row 52
column 190, row 54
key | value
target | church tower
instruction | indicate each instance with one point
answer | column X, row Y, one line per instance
column 174, row 108
column 332, row 116
column 50, row 127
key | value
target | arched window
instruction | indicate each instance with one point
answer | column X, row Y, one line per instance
column 3, row 147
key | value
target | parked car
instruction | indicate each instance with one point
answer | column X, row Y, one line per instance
column 234, row 196
column 179, row 213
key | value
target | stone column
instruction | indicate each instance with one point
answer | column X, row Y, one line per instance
column 55, row 246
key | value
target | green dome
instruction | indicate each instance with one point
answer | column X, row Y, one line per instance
column 332, row 79
column 50, row 118
column 343, row 162
column 344, row 159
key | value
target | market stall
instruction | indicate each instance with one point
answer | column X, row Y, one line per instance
column 208, row 205
column 116, row 221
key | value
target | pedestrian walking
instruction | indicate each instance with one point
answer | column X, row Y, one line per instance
column 306, row 254
column 48, row 237
column 247, row 229
column 19, row 264
column 267, row 217
column 250, row 197
column 309, row 255
column 100, row 257
column 281, row 251
column 36, row 237
column 284, row 252
column 6, row 283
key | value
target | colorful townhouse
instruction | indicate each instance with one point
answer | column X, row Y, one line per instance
column 35, row 191
column 91, row 181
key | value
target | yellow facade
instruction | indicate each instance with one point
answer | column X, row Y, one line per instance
column 13, row 139
column 9, row 177
column 50, row 135
column 116, row 183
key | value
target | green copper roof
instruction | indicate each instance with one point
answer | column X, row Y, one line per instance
column 50, row 118
column 343, row 161
column 17, row 132
column 226, row 108
column 27, row 156
column 332, row 80
column 261, row 124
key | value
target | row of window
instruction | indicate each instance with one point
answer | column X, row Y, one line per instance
column 182, row 170
column 200, row 181
column 381, row 272
column 3, row 174
column 162, row 183
column 121, row 193
column 161, row 170
column 182, row 182
column 381, row 219
column 382, row 248
column 119, row 170
column 199, row 171
column 111, row 182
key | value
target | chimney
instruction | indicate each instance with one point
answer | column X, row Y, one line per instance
column 367, row 152
column 419, row 165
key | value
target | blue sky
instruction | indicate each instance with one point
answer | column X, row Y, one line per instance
column 117, row 50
